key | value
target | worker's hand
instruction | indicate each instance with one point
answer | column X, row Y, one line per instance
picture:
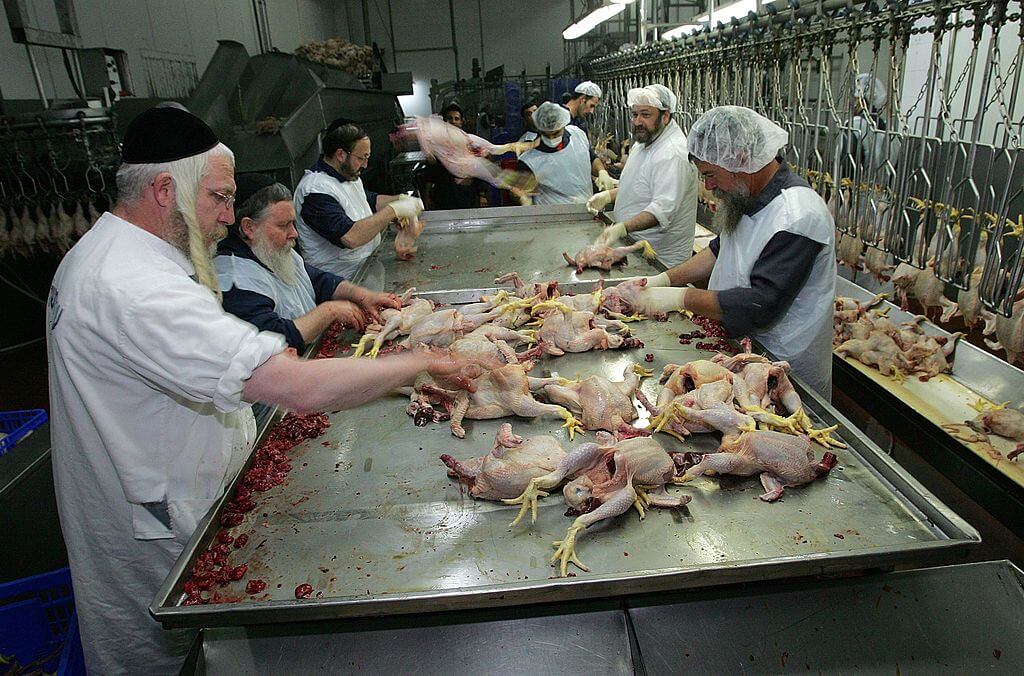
column 348, row 314
column 658, row 280
column 604, row 181
column 451, row 371
column 664, row 299
column 407, row 208
column 372, row 302
column 599, row 201
column 520, row 147
column 613, row 233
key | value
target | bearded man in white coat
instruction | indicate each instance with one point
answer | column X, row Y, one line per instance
column 151, row 381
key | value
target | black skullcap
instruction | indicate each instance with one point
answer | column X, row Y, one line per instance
column 247, row 185
column 164, row 135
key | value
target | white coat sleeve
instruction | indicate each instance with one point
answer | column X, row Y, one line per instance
column 179, row 340
column 669, row 180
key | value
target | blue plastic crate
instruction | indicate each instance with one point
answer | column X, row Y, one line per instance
column 15, row 425
column 38, row 626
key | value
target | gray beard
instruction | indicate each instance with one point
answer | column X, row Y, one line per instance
column 279, row 261
column 178, row 238
column 729, row 211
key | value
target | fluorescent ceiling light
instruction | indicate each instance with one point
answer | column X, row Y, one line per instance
column 679, row 31
column 590, row 21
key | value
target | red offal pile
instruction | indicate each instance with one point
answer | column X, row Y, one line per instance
column 330, row 344
column 269, row 468
column 709, row 328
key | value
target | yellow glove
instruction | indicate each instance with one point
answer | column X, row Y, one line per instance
column 613, row 233
column 599, row 201
column 604, row 181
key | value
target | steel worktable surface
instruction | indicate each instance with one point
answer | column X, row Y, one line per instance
column 469, row 248
column 370, row 520
column 962, row 619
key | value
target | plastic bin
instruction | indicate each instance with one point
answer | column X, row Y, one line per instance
column 15, row 426
column 38, row 626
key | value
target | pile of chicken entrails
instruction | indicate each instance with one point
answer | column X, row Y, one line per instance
column 746, row 398
column 866, row 334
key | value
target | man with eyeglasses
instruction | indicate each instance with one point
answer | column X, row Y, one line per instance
column 339, row 221
column 151, row 383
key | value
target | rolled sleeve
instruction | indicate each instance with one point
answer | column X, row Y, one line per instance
column 179, row 340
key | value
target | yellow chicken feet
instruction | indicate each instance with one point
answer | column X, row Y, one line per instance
column 641, row 501
column 551, row 305
column 361, row 345
column 565, row 550
column 647, row 251
column 773, row 421
column 534, row 490
column 642, row 372
column 983, row 406
column 571, row 424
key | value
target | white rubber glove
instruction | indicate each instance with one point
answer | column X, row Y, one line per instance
column 604, row 181
column 658, row 280
column 663, row 299
column 599, row 201
column 407, row 208
column 612, row 234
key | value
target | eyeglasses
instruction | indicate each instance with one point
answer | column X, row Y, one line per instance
column 222, row 199
column 362, row 158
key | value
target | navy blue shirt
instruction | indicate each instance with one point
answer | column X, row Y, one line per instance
column 258, row 309
column 778, row 274
column 324, row 214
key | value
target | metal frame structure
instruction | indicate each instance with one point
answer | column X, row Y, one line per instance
column 949, row 185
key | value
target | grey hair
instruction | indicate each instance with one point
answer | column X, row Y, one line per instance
column 133, row 179
column 259, row 203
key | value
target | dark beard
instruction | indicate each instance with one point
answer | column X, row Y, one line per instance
column 641, row 135
column 730, row 209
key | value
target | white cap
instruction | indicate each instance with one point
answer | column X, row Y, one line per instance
column 550, row 117
column 736, row 139
column 870, row 89
column 655, row 95
column 588, row 88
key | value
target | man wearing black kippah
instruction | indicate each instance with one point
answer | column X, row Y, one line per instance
column 151, row 384
column 340, row 222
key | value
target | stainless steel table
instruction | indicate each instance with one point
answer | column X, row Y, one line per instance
column 469, row 248
column 955, row 619
column 369, row 519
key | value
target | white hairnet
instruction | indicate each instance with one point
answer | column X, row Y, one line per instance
column 870, row 89
column 736, row 139
column 588, row 88
column 655, row 95
column 550, row 117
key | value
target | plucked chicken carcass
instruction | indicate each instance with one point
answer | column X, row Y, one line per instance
column 781, row 460
column 405, row 240
column 1009, row 333
column 396, row 323
column 507, row 470
column 607, row 478
column 848, row 250
column 677, row 417
column 81, row 224
column 879, row 263
column 599, row 403
column 903, row 279
column 44, row 237
column 603, row 257
column 440, row 328
column 500, row 392
column 492, row 346
column 28, row 231
column 878, row 350
column 928, row 289
column 1003, row 422
column 564, row 331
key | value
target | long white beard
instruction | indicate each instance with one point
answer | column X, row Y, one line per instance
column 280, row 261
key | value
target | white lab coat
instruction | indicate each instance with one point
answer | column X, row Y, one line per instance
column 290, row 300
column 659, row 179
column 319, row 252
column 563, row 175
column 803, row 334
column 146, row 374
